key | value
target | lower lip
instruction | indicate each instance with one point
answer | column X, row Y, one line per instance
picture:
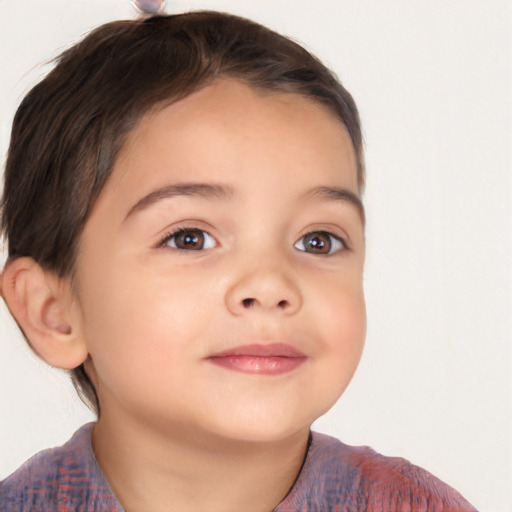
column 259, row 365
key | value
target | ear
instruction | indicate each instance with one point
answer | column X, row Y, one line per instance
column 47, row 312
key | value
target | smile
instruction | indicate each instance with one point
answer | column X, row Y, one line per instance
column 272, row 359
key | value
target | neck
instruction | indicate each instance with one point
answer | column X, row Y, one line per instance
column 156, row 469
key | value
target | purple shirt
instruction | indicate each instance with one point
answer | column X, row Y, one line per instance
column 335, row 478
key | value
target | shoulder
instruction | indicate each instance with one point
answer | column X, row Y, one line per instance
column 358, row 478
column 66, row 476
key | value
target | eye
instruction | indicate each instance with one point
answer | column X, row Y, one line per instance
column 320, row 242
column 189, row 239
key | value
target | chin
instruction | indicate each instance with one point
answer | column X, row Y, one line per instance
column 264, row 428
column 260, row 434
column 269, row 421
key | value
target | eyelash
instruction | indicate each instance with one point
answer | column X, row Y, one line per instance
column 173, row 234
column 334, row 240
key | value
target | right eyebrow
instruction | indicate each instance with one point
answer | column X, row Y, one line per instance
column 206, row 190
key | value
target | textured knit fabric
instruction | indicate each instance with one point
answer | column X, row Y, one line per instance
column 335, row 478
column 341, row 478
column 64, row 479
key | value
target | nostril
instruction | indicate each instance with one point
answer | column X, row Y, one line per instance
column 248, row 303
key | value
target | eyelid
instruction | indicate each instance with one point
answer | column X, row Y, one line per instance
column 331, row 229
column 343, row 246
column 207, row 239
column 188, row 225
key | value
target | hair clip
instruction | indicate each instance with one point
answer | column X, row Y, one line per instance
column 148, row 7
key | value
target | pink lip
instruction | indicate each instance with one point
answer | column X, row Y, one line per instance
column 269, row 359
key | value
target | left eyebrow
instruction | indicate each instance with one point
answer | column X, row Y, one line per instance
column 338, row 194
column 205, row 190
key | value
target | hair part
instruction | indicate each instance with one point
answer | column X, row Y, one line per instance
column 71, row 126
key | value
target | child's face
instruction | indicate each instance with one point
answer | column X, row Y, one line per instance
column 248, row 177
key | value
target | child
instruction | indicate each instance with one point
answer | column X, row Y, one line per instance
column 193, row 253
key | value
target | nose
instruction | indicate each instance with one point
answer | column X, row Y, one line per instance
column 264, row 289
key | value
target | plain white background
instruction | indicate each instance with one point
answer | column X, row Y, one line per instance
column 433, row 81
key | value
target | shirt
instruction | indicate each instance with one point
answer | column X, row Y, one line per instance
column 335, row 477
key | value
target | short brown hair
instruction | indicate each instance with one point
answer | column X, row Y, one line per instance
column 70, row 127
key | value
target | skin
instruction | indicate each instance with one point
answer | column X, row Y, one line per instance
column 174, row 427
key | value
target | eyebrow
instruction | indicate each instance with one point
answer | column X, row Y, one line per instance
column 338, row 195
column 205, row 190
column 217, row 191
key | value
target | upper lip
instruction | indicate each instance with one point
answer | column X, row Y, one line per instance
column 261, row 350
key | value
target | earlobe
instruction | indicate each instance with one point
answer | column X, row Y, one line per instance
column 45, row 310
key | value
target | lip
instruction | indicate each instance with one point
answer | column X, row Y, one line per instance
column 260, row 359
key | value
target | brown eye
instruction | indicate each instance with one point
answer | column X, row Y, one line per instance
column 320, row 242
column 190, row 240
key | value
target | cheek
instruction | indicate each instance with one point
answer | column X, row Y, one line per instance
column 340, row 305
column 341, row 314
column 139, row 344
column 132, row 316
column 337, row 323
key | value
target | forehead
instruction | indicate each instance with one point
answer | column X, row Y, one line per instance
column 231, row 113
column 232, row 134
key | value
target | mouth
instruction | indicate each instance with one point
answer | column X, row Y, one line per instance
column 267, row 359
